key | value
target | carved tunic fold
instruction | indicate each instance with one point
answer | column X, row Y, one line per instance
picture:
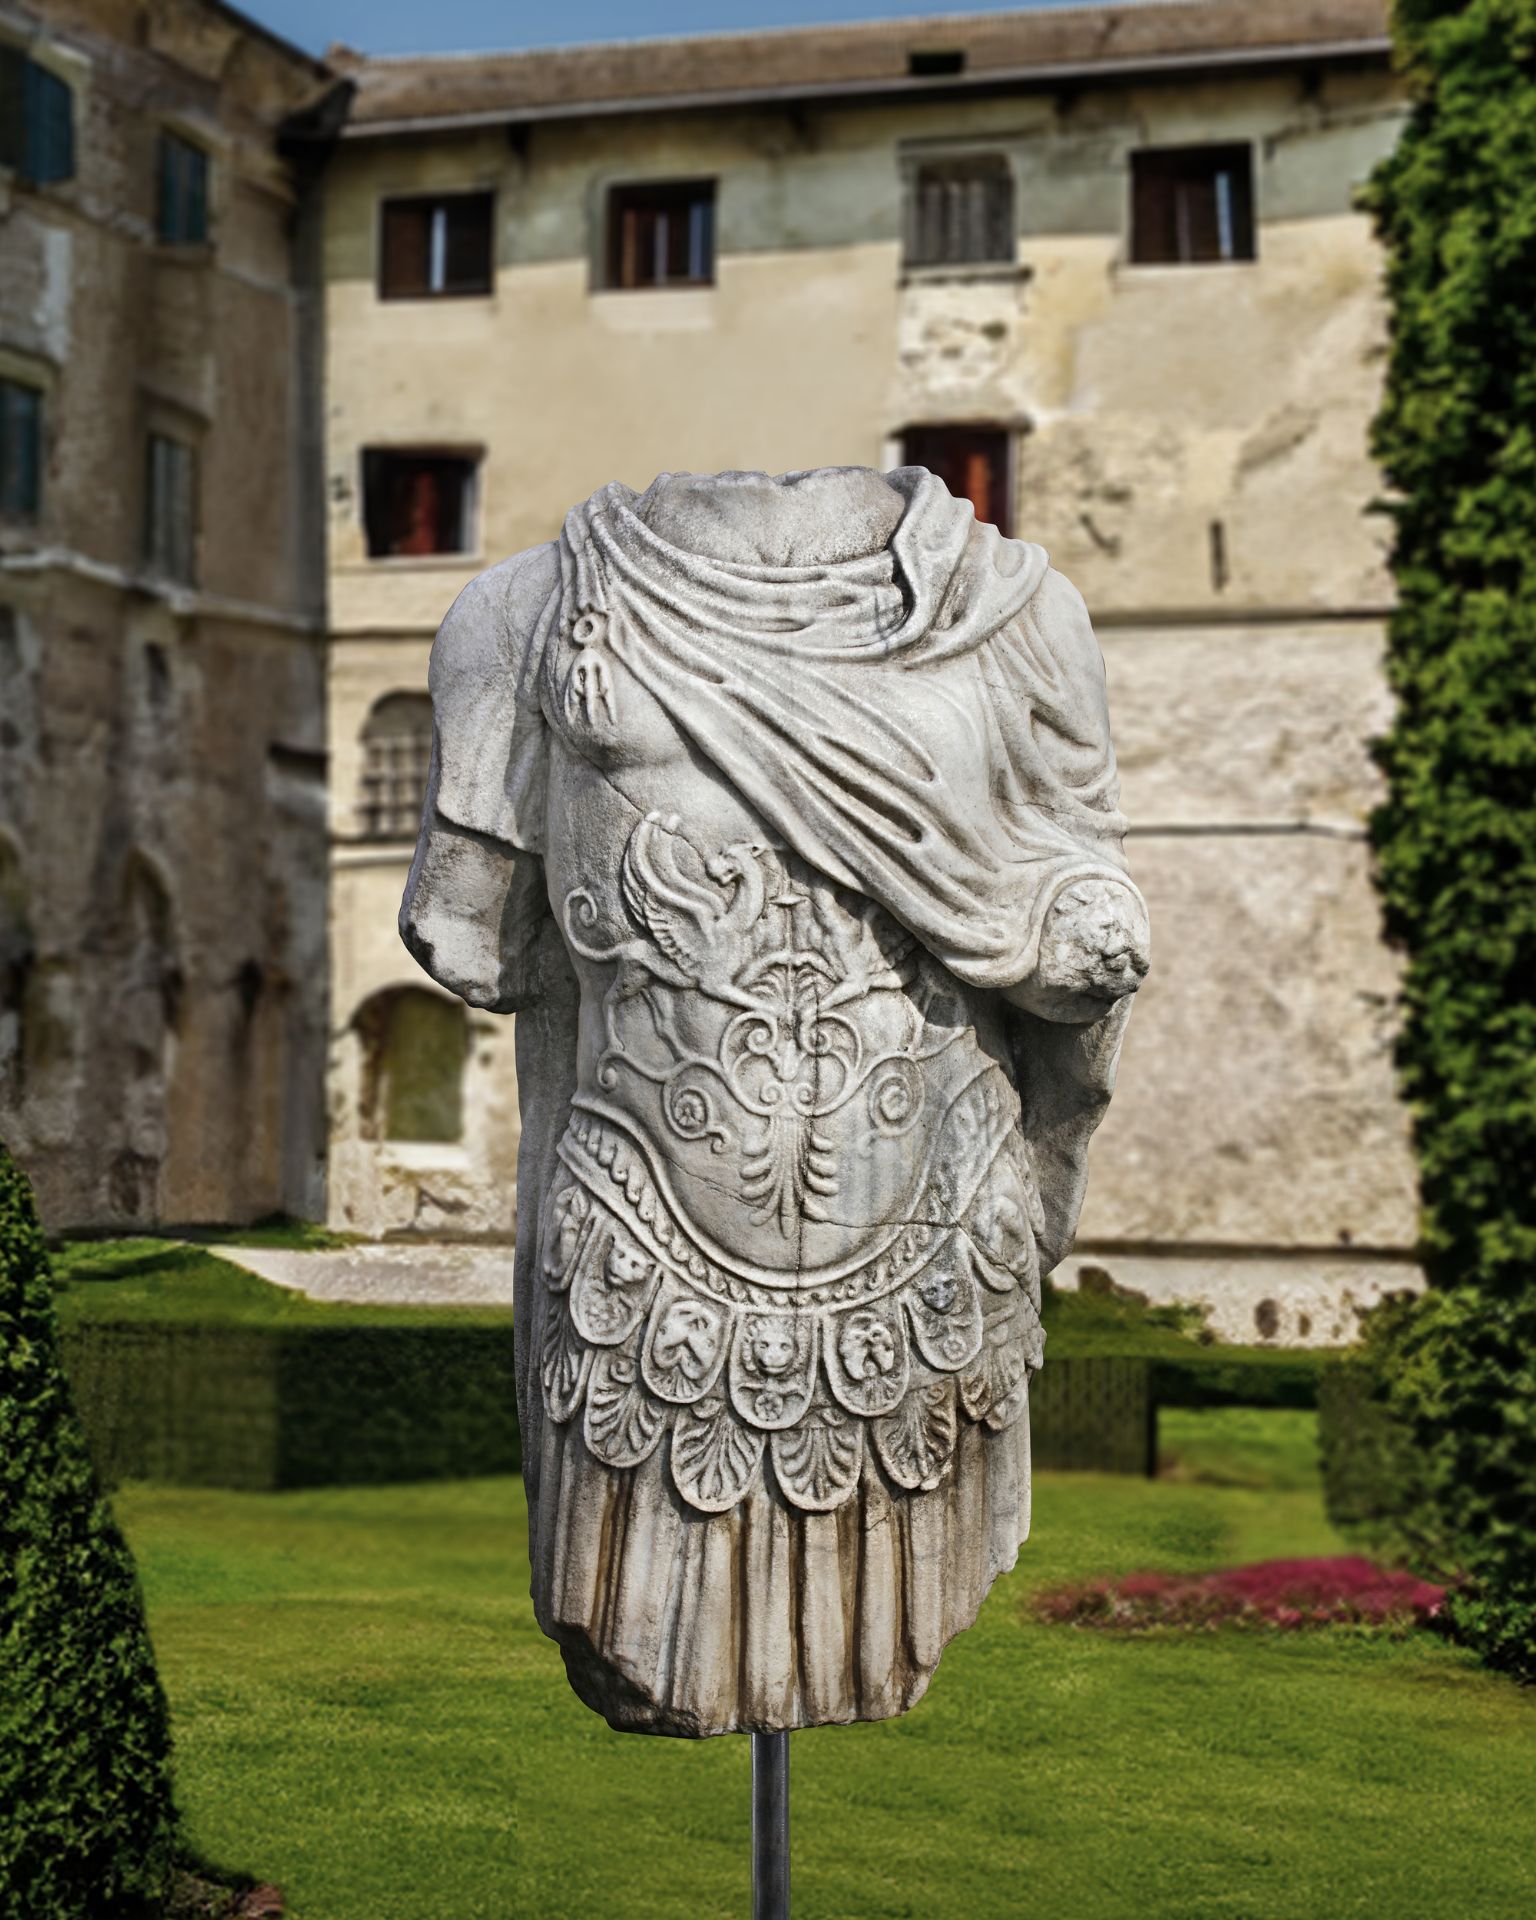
column 807, row 883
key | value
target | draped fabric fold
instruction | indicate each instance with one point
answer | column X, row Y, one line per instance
column 960, row 793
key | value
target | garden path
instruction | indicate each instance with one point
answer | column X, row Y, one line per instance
column 386, row 1273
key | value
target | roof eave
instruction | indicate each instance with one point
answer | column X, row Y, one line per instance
column 276, row 41
column 898, row 86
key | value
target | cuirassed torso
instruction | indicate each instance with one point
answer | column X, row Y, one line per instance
column 797, row 1194
column 783, row 814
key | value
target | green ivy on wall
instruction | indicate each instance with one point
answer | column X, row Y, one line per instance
column 1455, row 206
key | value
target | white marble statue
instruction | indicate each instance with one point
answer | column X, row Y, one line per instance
column 783, row 813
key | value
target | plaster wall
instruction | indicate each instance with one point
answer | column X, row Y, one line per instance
column 1148, row 401
column 1190, row 443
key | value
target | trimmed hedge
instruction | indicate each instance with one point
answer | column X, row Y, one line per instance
column 190, row 1369
column 267, row 1407
column 1189, row 1367
column 1367, row 1460
column 87, row 1826
column 1241, row 1377
column 1455, row 207
column 1094, row 1414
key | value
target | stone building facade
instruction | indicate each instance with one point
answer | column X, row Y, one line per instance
column 1102, row 268
column 162, row 838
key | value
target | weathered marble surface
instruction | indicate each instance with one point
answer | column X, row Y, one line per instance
column 784, row 814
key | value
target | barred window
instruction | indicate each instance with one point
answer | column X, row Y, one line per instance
column 181, row 202
column 397, row 750
column 960, row 212
column 170, row 509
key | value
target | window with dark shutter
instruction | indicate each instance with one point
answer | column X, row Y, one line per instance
column 170, row 519
column 13, row 107
column 436, row 246
column 960, row 212
column 661, row 233
column 181, row 216
column 971, row 461
column 21, row 450
column 1191, row 205
column 418, row 502
column 37, row 120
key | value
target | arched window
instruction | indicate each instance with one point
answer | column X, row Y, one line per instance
column 150, row 983
column 397, row 746
column 39, row 1009
column 414, row 1048
column 148, row 988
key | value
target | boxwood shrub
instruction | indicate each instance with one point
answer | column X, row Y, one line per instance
column 86, row 1821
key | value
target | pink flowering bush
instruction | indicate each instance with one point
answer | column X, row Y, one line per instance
column 1283, row 1594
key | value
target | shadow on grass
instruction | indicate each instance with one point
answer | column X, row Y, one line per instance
column 119, row 1260
column 203, row 1890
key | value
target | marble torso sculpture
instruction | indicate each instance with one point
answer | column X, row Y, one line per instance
column 784, row 814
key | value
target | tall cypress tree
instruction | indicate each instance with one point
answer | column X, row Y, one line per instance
column 87, row 1830
column 1455, row 206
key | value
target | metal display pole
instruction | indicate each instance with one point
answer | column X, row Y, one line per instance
column 770, row 1826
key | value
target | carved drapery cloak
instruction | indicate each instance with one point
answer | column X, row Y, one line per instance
column 764, row 1494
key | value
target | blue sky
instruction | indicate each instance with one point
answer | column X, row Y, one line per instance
column 452, row 26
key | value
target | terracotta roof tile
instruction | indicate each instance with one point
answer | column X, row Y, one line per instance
column 866, row 56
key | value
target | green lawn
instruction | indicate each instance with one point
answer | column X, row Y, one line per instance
column 1239, row 1447
column 143, row 1278
column 366, row 1714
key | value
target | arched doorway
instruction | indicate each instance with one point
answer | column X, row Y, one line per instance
column 145, row 1017
column 414, row 1048
column 18, row 955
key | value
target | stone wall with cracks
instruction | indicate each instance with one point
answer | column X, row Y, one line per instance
column 162, row 824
